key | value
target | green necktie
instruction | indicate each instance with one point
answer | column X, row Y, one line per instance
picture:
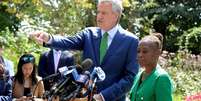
column 103, row 46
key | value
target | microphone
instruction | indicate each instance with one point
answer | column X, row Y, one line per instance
column 72, row 74
column 50, row 76
column 86, row 64
column 60, row 86
column 97, row 73
column 69, row 75
column 80, row 81
column 62, row 72
column 83, row 78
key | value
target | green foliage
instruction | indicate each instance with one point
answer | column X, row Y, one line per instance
column 191, row 40
column 8, row 18
column 178, row 20
column 63, row 16
column 175, row 19
column 172, row 18
column 17, row 45
column 184, row 68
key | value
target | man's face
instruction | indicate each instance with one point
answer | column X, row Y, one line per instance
column 106, row 17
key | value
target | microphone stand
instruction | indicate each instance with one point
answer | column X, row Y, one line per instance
column 91, row 90
column 73, row 94
column 54, row 90
column 48, row 94
column 58, row 88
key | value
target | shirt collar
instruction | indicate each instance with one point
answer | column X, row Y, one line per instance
column 111, row 32
column 56, row 52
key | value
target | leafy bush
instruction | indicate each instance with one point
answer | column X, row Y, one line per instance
column 17, row 45
column 184, row 69
column 191, row 40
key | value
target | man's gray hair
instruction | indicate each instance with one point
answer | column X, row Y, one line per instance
column 116, row 5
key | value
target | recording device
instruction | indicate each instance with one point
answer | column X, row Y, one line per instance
column 72, row 81
column 63, row 71
column 97, row 73
column 72, row 76
column 80, row 82
column 83, row 78
column 65, row 82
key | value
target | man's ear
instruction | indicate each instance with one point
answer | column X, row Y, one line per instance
column 158, row 52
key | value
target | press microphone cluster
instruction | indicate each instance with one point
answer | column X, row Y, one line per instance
column 63, row 71
column 73, row 79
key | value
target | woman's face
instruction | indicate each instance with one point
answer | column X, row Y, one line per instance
column 27, row 69
column 147, row 54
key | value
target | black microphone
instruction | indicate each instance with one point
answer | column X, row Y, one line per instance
column 62, row 72
column 86, row 64
column 80, row 81
column 83, row 78
column 60, row 86
column 72, row 73
column 50, row 76
column 69, row 75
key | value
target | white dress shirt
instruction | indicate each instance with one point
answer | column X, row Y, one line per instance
column 111, row 34
column 57, row 55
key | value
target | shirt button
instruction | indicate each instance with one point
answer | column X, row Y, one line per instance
column 141, row 98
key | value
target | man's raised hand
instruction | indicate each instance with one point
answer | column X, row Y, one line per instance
column 40, row 37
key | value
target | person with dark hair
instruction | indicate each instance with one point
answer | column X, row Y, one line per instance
column 110, row 47
column 152, row 83
column 26, row 83
column 49, row 63
column 5, row 85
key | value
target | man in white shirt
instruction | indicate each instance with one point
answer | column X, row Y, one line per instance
column 49, row 63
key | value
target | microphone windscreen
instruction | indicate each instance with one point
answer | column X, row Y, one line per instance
column 79, row 68
column 87, row 63
column 87, row 73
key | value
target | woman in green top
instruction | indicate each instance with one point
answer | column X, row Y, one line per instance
column 152, row 83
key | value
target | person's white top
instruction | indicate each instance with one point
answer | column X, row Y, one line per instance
column 57, row 55
column 9, row 66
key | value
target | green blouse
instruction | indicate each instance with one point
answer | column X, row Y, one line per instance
column 157, row 86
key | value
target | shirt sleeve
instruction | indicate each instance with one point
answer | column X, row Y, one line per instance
column 164, row 88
